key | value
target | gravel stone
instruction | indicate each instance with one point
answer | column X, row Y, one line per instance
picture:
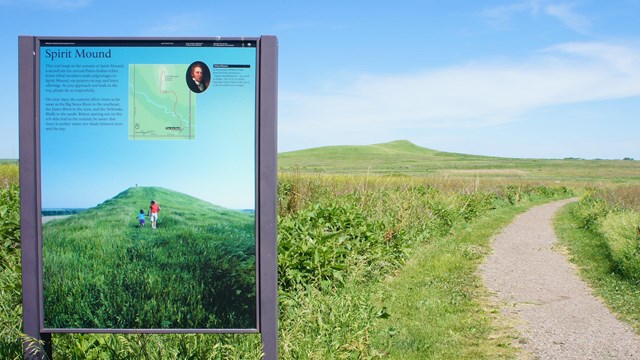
column 555, row 312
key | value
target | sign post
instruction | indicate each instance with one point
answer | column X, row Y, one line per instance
column 269, row 251
column 148, row 186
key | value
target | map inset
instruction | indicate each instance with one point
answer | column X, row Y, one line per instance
column 161, row 106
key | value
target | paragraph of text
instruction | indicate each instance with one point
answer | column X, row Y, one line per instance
column 80, row 78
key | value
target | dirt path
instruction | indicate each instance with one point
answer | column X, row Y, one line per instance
column 552, row 308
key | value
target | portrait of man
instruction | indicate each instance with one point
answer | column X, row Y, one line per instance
column 198, row 77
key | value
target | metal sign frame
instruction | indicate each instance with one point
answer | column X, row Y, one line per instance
column 266, row 184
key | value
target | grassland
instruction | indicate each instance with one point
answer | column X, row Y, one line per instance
column 374, row 261
column 404, row 157
column 196, row 270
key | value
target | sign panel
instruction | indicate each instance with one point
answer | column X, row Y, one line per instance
column 148, row 184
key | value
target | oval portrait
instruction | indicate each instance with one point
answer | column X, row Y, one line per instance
column 198, row 76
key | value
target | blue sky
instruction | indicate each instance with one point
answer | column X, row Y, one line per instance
column 537, row 79
column 83, row 165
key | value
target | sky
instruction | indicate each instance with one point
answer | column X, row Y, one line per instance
column 198, row 143
column 528, row 79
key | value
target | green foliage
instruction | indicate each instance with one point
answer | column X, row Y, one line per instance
column 9, row 217
column 590, row 252
column 10, row 273
column 476, row 204
column 344, row 234
column 197, row 270
column 327, row 323
column 620, row 229
column 516, row 193
column 156, row 347
column 9, row 174
column 322, row 243
column 339, row 236
column 297, row 193
column 620, row 197
column 591, row 210
column 439, row 286
column 10, row 305
column 598, row 212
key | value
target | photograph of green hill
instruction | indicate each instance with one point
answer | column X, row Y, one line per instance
column 196, row 270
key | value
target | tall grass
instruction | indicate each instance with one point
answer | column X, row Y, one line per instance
column 590, row 251
column 197, row 270
column 614, row 214
column 10, row 267
column 9, row 173
column 622, row 232
column 338, row 238
column 620, row 197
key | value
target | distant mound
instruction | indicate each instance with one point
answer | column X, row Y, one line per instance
column 405, row 158
column 395, row 156
column 394, row 148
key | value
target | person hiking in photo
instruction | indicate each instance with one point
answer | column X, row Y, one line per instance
column 141, row 217
column 153, row 213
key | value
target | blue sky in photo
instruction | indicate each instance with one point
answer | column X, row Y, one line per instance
column 531, row 78
column 84, row 165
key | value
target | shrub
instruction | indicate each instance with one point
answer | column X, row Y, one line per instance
column 10, row 217
column 590, row 211
column 9, row 173
column 321, row 244
column 10, row 274
column 620, row 230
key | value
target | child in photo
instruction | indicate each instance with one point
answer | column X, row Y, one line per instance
column 153, row 213
column 141, row 217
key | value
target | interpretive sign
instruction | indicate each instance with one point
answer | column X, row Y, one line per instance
column 148, row 167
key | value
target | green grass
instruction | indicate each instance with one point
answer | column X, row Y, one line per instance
column 339, row 237
column 8, row 173
column 589, row 251
column 10, row 272
column 332, row 306
column 197, row 270
column 435, row 307
column 403, row 157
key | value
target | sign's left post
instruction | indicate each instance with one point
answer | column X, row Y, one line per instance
column 37, row 345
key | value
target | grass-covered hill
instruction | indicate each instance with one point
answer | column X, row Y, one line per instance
column 404, row 157
column 196, row 270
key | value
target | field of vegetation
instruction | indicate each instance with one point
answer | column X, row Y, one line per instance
column 363, row 253
column 196, row 270
column 10, row 267
column 404, row 157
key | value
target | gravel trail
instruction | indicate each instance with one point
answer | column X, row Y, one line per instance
column 540, row 292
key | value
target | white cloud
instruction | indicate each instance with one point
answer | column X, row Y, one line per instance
column 570, row 18
column 626, row 59
column 563, row 12
column 475, row 95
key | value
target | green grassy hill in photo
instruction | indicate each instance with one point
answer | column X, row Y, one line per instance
column 197, row 270
column 404, row 157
